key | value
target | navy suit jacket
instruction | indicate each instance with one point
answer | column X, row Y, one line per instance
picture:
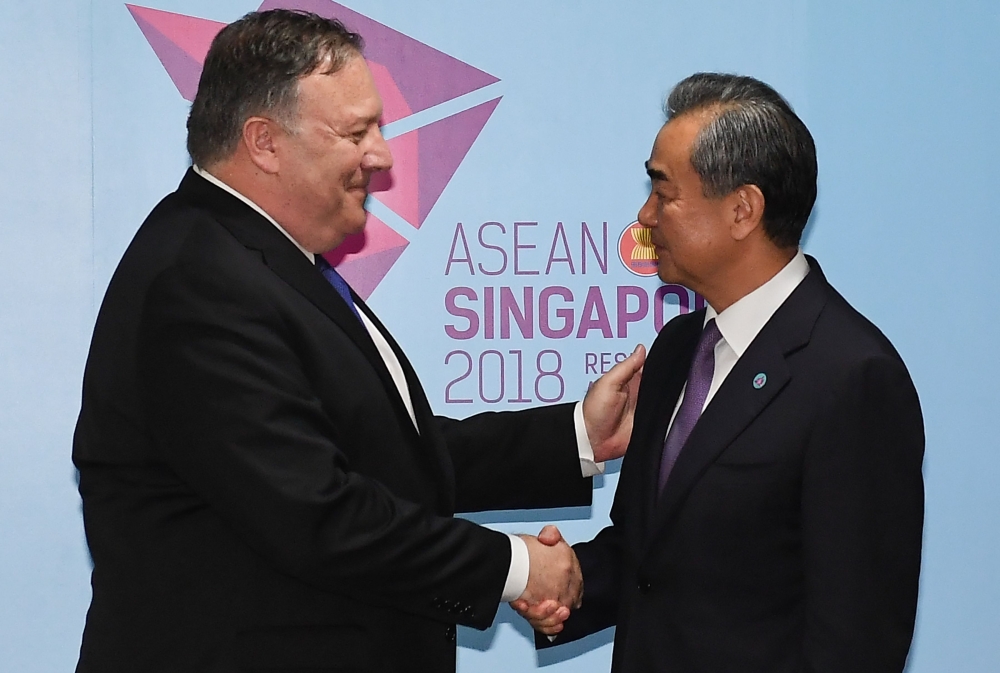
column 787, row 539
column 255, row 495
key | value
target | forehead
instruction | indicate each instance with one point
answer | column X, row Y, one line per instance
column 347, row 93
column 672, row 147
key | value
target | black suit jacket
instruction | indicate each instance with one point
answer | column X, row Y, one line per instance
column 787, row 539
column 255, row 494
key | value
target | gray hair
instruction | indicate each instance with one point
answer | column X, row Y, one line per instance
column 253, row 68
column 754, row 139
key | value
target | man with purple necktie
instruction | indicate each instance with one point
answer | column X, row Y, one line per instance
column 769, row 512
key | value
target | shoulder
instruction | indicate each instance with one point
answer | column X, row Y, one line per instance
column 843, row 331
column 848, row 355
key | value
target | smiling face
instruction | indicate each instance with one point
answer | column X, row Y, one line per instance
column 692, row 234
column 327, row 158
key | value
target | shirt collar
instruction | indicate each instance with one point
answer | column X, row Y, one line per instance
column 741, row 322
column 223, row 186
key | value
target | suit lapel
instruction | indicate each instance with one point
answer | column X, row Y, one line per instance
column 738, row 401
column 279, row 254
column 429, row 436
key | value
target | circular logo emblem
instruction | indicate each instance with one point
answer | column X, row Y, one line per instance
column 759, row 380
column 636, row 251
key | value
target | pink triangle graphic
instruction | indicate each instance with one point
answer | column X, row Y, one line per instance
column 410, row 76
column 407, row 60
column 394, row 105
column 365, row 273
column 428, row 158
column 443, row 146
column 180, row 42
column 364, row 259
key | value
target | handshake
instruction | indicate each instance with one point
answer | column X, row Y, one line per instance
column 555, row 582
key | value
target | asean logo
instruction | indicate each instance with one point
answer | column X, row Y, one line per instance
column 636, row 251
column 411, row 77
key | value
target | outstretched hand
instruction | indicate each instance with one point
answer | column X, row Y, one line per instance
column 609, row 407
column 546, row 613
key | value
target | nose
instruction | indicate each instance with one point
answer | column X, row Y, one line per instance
column 647, row 213
column 378, row 157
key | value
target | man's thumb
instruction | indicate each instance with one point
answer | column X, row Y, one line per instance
column 550, row 536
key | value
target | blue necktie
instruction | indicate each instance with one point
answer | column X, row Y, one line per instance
column 338, row 283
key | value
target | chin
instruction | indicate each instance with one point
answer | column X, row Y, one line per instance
column 355, row 224
column 665, row 272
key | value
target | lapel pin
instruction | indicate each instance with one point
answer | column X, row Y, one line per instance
column 759, row 381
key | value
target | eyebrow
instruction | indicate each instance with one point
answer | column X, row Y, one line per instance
column 656, row 173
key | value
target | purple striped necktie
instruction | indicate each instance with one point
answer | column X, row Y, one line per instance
column 699, row 381
column 338, row 283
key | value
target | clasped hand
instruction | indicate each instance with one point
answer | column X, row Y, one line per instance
column 555, row 582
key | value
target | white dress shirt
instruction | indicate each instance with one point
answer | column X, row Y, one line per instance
column 742, row 322
column 517, row 575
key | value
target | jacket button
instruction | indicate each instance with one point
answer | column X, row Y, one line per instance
column 449, row 633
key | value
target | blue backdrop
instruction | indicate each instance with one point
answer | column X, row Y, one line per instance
column 495, row 261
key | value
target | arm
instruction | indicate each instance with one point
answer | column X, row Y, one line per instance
column 533, row 458
column 516, row 460
column 232, row 411
column 862, row 513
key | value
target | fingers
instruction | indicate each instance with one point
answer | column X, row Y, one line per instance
column 609, row 406
column 623, row 371
column 550, row 536
column 546, row 617
column 550, row 630
column 542, row 611
column 553, row 570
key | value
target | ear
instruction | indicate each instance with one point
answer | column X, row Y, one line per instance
column 748, row 211
column 260, row 135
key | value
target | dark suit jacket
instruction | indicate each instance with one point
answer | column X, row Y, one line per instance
column 787, row 539
column 255, row 495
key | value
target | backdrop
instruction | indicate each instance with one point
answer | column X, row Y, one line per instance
column 500, row 252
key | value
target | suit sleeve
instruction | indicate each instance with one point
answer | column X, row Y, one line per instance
column 233, row 414
column 516, row 460
column 862, row 517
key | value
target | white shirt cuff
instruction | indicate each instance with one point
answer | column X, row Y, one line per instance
column 588, row 466
column 517, row 576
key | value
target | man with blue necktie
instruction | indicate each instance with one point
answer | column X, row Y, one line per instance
column 265, row 486
column 769, row 512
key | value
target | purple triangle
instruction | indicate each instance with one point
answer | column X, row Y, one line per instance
column 365, row 273
column 409, row 61
column 182, row 69
column 443, row 146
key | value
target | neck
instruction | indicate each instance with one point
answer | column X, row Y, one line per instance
column 233, row 174
column 746, row 275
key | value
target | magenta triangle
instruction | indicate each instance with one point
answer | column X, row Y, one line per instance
column 365, row 273
column 424, row 75
column 443, row 146
column 183, row 70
